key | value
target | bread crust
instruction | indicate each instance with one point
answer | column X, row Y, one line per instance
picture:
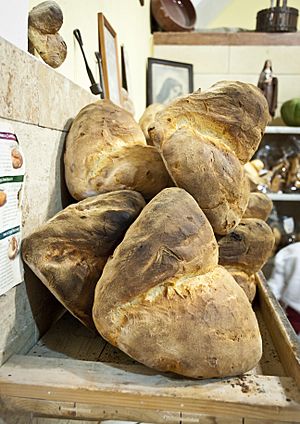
column 247, row 247
column 147, row 119
column 205, row 138
column 213, row 176
column 231, row 112
column 106, row 151
column 68, row 252
column 259, row 206
column 163, row 300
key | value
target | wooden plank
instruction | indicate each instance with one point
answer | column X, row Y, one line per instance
column 68, row 338
column 250, row 421
column 283, row 335
column 270, row 363
column 246, row 38
column 92, row 412
column 112, row 354
column 135, row 386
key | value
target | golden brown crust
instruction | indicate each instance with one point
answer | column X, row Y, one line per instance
column 147, row 119
column 106, row 151
column 245, row 281
column 164, row 301
column 69, row 252
column 47, row 17
column 51, row 47
column 162, row 242
column 259, row 206
column 205, row 138
column 247, row 247
column 231, row 112
column 214, row 177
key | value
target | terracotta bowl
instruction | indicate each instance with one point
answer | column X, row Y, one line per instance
column 174, row 15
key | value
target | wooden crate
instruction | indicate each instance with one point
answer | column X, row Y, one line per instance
column 72, row 373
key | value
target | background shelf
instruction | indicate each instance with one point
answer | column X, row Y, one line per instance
column 282, row 130
column 288, row 197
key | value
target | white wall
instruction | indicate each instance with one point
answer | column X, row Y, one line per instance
column 242, row 13
column 244, row 63
column 13, row 22
column 132, row 25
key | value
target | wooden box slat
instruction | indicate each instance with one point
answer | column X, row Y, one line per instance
column 100, row 382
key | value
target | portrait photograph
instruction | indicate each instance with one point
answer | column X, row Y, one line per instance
column 167, row 80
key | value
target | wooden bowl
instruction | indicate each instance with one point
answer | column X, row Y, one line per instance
column 174, row 15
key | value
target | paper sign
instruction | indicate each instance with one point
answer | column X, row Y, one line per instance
column 12, row 171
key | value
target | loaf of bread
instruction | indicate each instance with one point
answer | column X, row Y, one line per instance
column 245, row 250
column 47, row 17
column 163, row 299
column 204, row 139
column 106, row 151
column 259, row 206
column 51, row 47
column 147, row 119
column 245, row 281
column 69, row 252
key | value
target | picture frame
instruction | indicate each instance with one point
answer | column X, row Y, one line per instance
column 167, row 80
column 108, row 48
column 126, row 74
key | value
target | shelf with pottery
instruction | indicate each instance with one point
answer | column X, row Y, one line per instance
column 245, row 38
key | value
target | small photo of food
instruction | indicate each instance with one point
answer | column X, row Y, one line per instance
column 3, row 198
column 13, row 248
column 16, row 158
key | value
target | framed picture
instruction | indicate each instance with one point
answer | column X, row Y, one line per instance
column 126, row 74
column 108, row 47
column 167, row 80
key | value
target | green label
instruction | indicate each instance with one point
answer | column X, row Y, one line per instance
column 9, row 232
column 12, row 179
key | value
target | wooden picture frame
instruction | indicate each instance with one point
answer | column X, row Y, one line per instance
column 108, row 47
column 167, row 80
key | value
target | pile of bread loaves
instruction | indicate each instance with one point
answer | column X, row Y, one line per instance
column 161, row 250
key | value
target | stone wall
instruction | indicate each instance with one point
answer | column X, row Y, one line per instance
column 39, row 104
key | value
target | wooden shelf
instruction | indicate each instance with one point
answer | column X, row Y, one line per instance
column 286, row 197
column 244, row 38
column 282, row 130
column 74, row 373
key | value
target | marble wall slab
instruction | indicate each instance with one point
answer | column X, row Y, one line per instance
column 39, row 104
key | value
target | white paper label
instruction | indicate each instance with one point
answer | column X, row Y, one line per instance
column 12, row 171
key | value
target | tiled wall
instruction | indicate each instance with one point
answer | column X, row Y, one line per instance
column 39, row 104
column 244, row 63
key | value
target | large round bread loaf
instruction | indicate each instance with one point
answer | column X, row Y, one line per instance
column 163, row 299
column 204, row 139
column 69, row 252
column 106, row 151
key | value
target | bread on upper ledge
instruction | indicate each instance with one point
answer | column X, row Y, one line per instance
column 69, row 251
column 106, row 151
column 163, row 299
column 204, row 139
